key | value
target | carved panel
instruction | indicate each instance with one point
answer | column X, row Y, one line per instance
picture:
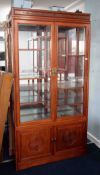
column 34, row 142
column 70, row 136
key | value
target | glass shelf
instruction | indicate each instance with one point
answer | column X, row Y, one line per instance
column 29, row 114
column 64, row 85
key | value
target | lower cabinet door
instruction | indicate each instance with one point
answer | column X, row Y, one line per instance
column 33, row 143
column 41, row 144
column 70, row 136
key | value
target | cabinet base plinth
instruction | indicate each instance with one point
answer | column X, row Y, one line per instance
column 70, row 153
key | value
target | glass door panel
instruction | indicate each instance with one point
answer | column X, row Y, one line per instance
column 34, row 72
column 70, row 77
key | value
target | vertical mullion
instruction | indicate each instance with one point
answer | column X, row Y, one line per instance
column 54, row 77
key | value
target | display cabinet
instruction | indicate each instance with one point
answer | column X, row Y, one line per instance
column 48, row 53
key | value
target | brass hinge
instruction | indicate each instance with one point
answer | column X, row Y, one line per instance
column 54, row 71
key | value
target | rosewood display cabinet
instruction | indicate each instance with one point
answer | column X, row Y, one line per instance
column 48, row 53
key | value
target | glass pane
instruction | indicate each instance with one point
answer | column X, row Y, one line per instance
column 70, row 71
column 34, row 72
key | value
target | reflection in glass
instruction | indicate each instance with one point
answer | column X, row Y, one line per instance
column 71, row 53
column 34, row 72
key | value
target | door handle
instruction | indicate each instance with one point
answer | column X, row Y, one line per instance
column 53, row 140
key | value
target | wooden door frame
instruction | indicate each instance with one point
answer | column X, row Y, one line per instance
column 86, row 64
column 16, row 71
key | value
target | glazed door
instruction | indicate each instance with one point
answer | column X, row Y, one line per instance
column 71, row 71
column 34, row 53
column 51, row 71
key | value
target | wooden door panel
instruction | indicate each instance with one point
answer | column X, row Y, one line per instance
column 70, row 136
column 34, row 142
